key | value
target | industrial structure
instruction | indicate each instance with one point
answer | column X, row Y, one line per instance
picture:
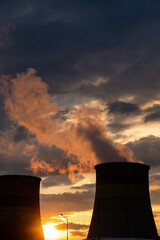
column 19, row 208
column 122, row 207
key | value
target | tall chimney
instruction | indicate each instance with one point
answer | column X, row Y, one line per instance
column 19, row 208
column 122, row 207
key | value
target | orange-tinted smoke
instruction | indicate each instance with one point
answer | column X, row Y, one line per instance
column 83, row 136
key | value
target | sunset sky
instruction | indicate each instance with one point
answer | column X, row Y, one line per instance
column 79, row 85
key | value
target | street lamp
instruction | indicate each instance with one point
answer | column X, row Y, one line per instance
column 67, row 223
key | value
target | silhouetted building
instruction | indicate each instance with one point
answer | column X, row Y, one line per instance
column 19, row 208
column 122, row 207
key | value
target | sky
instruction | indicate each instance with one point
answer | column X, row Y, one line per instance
column 79, row 85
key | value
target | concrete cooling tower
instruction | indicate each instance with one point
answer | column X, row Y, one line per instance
column 122, row 207
column 19, row 208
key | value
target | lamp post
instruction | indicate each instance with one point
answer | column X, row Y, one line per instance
column 67, row 223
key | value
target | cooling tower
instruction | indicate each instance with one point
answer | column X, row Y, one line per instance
column 122, row 207
column 19, row 208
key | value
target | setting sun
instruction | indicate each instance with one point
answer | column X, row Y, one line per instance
column 50, row 232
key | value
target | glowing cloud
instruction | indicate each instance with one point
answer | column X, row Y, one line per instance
column 82, row 137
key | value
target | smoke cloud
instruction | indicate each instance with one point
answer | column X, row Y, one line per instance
column 82, row 136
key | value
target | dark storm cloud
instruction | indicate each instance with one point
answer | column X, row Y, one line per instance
column 147, row 149
column 14, row 164
column 152, row 117
column 121, row 111
column 122, row 108
column 56, row 180
column 52, row 153
column 4, row 121
column 70, row 42
column 67, row 41
column 22, row 134
column 154, row 108
column 66, row 202
column 19, row 154
column 118, row 126
column 18, row 150
column 152, row 113
column 58, row 159
column 5, row 38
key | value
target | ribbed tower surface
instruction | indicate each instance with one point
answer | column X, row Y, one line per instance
column 122, row 207
column 19, row 208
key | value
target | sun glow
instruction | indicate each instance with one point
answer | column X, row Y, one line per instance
column 50, row 232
